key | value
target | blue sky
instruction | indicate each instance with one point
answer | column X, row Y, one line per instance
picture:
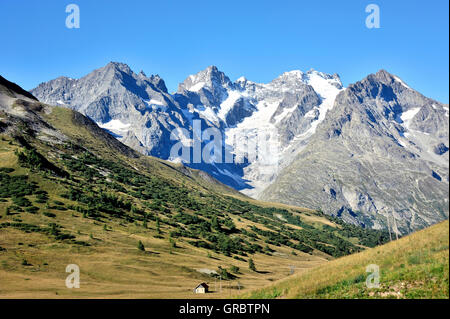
column 258, row 39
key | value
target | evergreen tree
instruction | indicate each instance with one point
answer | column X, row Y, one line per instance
column 141, row 246
column 229, row 224
column 235, row 269
column 158, row 229
column 215, row 224
column 173, row 243
column 251, row 265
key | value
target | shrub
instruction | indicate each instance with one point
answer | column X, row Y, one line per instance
column 21, row 201
column 225, row 275
column 234, row 269
column 158, row 229
column 48, row 214
column 32, row 209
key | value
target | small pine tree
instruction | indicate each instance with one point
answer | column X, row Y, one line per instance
column 223, row 273
column 215, row 224
column 144, row 223
column 141, row 246
column 53, row 230
column 158, row 229
column 230, row 224
column 251, row 265
column 234, row 269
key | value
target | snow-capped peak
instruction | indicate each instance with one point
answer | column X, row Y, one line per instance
column 325, row 85
column 296, row 77
column 293, row 73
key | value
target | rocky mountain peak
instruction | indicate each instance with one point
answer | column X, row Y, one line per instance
column 210, row 79
column 297, row 79
column 386, row 78
column 118, row 66
column 396, row 95
column 158, row 82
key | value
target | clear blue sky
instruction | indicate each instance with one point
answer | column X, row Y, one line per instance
column 259, row 39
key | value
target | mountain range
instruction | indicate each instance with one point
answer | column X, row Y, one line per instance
column 136, row 225
column 374, row 153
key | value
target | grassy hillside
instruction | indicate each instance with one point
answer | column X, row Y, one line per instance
column 416, row 266
column 137, row 226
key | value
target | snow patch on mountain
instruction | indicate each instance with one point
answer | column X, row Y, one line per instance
column 327, row 89
column 401, row 82
column 207, row 113
column 227, row 105
column 197, row 87
column 115, row 125
column 407, row 116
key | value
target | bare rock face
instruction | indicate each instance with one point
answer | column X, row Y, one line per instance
column 381, row 152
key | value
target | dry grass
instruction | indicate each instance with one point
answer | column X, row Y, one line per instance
column 114, row 268
column 416, row 266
